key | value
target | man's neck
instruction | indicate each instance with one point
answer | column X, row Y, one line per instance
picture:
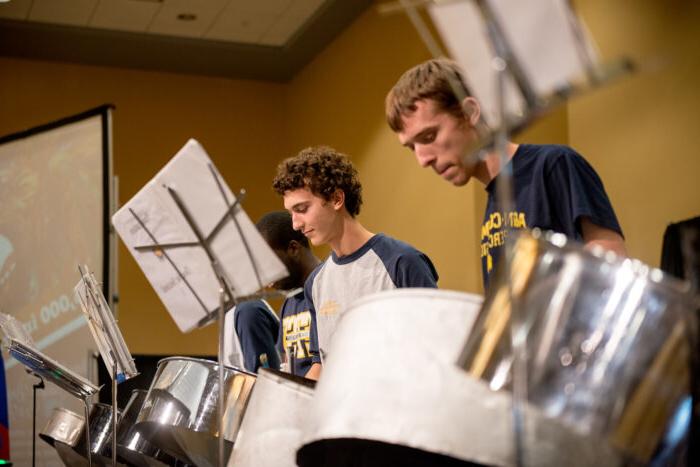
column 491, row 166
column 309, row 262
column 351, row 236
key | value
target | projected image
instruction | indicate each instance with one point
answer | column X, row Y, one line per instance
column 52, row 195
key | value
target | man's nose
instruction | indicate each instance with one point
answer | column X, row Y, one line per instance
column 296, row 222
column 424, row 157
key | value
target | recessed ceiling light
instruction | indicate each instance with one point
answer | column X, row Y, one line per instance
column 187, row 17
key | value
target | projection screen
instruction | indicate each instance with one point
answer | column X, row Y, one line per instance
column 56, row 196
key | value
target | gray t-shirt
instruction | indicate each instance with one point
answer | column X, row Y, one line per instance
column 382, row 263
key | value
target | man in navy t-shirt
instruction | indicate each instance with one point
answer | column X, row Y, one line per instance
column 322, row 191
column 555, row 188
column 297, row 322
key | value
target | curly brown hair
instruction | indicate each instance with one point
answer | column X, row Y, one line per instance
column 322, row 170
column 438, row 79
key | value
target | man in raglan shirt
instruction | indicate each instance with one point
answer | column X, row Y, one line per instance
column 554, row 187
column 297, row 322
column 322, row 191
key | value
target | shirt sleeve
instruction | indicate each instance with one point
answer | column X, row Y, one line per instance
column 414, row 270
column 257, row 332
column 576, row 191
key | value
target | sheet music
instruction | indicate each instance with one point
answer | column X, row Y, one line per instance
column 550, row 44
column 192, row 294
column 104, row 328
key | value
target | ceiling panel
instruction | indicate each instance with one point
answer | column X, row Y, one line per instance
column 269, row 7
column 205, row 12
column 124, row 15
column 296, row 16
column 110, row 42
column 236, row 25
column 17, row 9
column 72, row 12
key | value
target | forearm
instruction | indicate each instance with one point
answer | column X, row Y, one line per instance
column 314, row 372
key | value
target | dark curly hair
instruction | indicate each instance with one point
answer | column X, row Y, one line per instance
column 322, row 170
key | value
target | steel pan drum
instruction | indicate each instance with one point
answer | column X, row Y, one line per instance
column 132, row 446
column 63, row 426
column 391, row 394
column 179, row 414
column 100, row 440
column 272, row 427
column 607, row 343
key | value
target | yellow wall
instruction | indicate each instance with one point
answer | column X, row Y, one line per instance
column 238, row 122
column 639, row 132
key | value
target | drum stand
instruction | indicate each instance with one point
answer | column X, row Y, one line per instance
column 226, row 292
column 38, row 385
column 86, row 404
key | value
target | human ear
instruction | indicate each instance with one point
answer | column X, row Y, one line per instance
column 293, row 248
column 472, row 110
column 338, row 199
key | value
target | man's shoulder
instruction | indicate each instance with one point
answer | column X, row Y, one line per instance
column 295, row 304
column 389, row 247
column 252, row 311
column 549, row 152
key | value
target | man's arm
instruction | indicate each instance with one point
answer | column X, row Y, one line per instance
column 596, row 235
column 314, row 372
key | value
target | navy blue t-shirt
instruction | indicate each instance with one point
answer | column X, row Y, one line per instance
column 297, row 323
column 257, row 328
column 554, row 187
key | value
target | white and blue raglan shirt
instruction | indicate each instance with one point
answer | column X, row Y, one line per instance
column 382, row 263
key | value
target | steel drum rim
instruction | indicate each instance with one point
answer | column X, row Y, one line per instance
column 637, row 267
column 279, row 377
column 206, row 362
column 417, row 292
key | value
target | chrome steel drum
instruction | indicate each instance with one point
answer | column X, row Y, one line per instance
column 100, row 426
column 132, row 447
column 272, row 427
column 63, row 426
column 607, row 344
column 391, row 394
column 179, row 414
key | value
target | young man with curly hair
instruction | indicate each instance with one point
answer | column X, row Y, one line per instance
column 322, row 191
column 554, row 187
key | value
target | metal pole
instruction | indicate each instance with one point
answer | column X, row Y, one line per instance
column 114, row 413
column 39, row 385
column 222, row 300
column 87, row 432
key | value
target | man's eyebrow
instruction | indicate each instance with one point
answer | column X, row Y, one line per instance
column 420, row 134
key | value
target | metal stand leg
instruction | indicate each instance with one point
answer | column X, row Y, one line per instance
column 222, row 299
column 114, row 415
column 87, row 432
column 39, row 385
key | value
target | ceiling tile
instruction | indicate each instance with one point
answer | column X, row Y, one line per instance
column 17, row 9
column 124, row 15
column 166, row 20
column 72, row 12
column 292, row 21
column 236, row 25
column 270, row 7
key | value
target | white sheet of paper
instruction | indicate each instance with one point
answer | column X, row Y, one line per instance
column 464, row 33
column 543, row 38
column 189, row 174
column 104, row 328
